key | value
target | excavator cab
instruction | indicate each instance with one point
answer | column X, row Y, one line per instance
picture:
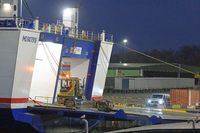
column 70, row 93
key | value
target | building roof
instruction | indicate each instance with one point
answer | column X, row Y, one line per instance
column 167, row 68
column 131, row 65
column 160, row 67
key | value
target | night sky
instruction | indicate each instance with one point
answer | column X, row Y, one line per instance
column 147, row 24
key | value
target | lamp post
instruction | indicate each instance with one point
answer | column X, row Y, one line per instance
column 125, row 41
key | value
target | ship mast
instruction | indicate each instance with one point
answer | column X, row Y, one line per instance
column 20, row 7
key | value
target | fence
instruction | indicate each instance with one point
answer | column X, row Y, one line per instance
column 58, row 28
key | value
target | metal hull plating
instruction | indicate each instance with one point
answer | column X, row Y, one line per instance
column 17, row 54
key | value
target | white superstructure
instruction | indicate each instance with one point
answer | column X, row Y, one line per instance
column 17, row 56
column 9, row 8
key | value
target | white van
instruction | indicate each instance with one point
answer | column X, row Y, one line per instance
column 158, row 100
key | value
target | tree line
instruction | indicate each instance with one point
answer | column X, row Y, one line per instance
column 188, row 55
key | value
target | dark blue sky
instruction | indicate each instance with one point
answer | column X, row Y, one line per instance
column 147, row 24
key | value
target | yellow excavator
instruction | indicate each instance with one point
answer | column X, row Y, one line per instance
column 70, row 93
column 71, row 96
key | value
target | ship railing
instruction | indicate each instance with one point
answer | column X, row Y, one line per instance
column 75, row 33
column 88, row 35
column 14, row 22
column 55, row 29
column 44, row 100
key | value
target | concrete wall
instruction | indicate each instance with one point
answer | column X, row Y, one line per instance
column 159, row 83
column 154, row 83
column 118, row 83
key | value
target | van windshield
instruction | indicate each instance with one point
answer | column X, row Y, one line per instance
column 157, row 96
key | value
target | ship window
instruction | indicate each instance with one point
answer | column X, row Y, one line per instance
column 15, row 7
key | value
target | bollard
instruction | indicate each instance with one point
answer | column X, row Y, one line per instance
column 193, row 123
column 86, row 124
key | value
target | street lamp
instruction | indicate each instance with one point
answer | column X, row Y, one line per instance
column 125, row 41
column 125, row 64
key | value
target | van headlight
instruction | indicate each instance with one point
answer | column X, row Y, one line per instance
column 149, row 101
column 160, row 101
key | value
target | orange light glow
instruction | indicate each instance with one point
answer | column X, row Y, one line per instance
column 29, row 68
column 67, row 76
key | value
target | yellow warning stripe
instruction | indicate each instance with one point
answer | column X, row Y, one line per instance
column 174, row 110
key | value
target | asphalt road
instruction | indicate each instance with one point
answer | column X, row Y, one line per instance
column 182, row 125
column 164, row 114
column 139, row 98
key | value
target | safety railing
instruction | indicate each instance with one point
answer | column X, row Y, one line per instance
column 58, row 28
column 44, row 100
column 17, row 23
column 75, row 33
